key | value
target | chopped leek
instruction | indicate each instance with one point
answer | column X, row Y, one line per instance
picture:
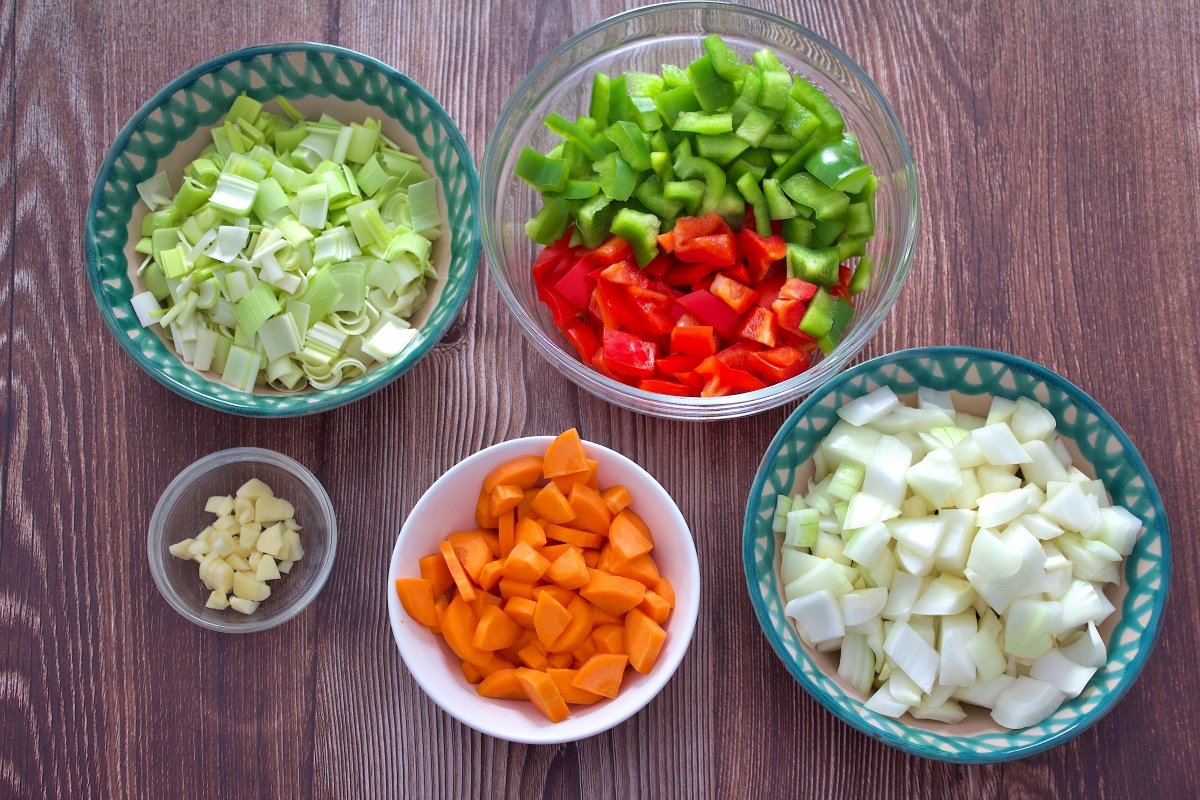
column 952, row 559
column 294, row 251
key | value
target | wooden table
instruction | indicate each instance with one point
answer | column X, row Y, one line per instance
column 1059, row 161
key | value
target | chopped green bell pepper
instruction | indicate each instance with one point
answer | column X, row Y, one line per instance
column 753, row 195
column 551, row 222
column 593, row 220
column 862, row 275
column 542, row 173
column 815, row 266
column 806, row 190
column 778, row 206
column 818, row 103
column 640, row 230
column 818, row 319
column 797, row 230
column 721, row 148
column 725, row 61
column 617, row 178
column 712, row 91
column 631, row 143
column 673, row 102
column 577, row 136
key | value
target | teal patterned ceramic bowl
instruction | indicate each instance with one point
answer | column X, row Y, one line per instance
column 172, row 128
column 973, row 377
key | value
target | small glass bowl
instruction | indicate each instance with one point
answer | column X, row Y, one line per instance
column 644, row 39
column 180, row 514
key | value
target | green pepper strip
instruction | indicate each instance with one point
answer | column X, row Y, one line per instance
column 777, row 203
column 573, row 133
column 815, row 101
column 640, row 230
column 689, row 166
column 748, row 186
column 806, row 190
column 815, row 266
column 542, row 173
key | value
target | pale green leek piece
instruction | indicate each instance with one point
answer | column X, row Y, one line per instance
column 292, row 254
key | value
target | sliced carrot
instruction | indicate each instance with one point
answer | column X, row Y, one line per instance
column 506, row 536
column 495, row 665
column 609, row 639
column 525, row 509
column 642, row 569
column 601, row 674
column 553, row 551
column 563, row 596
column 569, row 570
column 491, row 539
column 664, row 589
column 490, row 575
column 495, row 630
column 483, row 511
column 565, row 455
column 465, row 589
column 585, row 650
column 655, row 607
column 572, row 694
column 591, row 558
column 472, row 550
column 521, row 611
column 533, row 655
column 458, row 629
column 433, row 569
column 626, row 539
column 552, row 505
column 440, row 604
column 561, row 533
column 586, row 478
column 505, row 497
column 643, row 640
column 525, row 564
column 591, row 513
column 630, row 516
column 483, row 600
column 530, row 531
column 550, row 619
column 614, row 594
column 524, row 472
column 543, row 693
column 501, row 685
column 510, row 588
column 558, row 660
column 578, row 629
column 416, row 595
column 617, row 498
column 602, row 617
column 471, row 672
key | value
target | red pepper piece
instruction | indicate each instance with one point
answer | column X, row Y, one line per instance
column 684, row 319
column 655, row 309
column 582, row 338
column 601, row 309
column 736, row 295
column 693, row 380
column 699, row 340
column 624, row 273
column 682, row 274
column 664, row 387
column 666, row 242
column 561, row 309
column 687, row 228
column 601, row 366
column 626, row 354
column 768, row 291
column 760, row 252
column 614, row 249
column 708, row 309
column 737, row 355
column 792, row 302
column 759, row 325
column 842, row 287
column 678, row 362
column 796, row 289
column 576, row 284
column 716, row 249
column 779, row 364
column 658, row 267
column 739, row 273
column 724, row 379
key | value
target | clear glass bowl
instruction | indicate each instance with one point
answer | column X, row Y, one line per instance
column 645, row 39
column 180, row 514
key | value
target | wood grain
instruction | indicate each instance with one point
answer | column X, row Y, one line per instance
column 1058, row 152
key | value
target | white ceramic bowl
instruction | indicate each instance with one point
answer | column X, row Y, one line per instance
column 448, row 506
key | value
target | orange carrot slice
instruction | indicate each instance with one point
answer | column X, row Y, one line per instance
column 521, row 610
column 614, row 594
column 506, row 497
column 586, row 478
column 533, row 655
column 495, row 630
column 626, row 539
column 609, row 639
column 530, row 531
column 655, row 607
column 483, row 511
column 416, row 595
column 433, row 569
column 525, row 564
column 511, row 588
column 523, row 472
column 561, row 533
column 664, row 589
column 552, row 505
column 472, row 550
column 569, row 570
column 550, row 619
column 642, row 569
column 465, row 589
column 643, row 640
column 578, row 629
column 565, row 455
column 490, row 575
column 601, row 674
column 591, row 513
column 458, row 629
column 501, row 685
column 617, row 498
column 543, row 693
column 572, row 694
column 507, row 535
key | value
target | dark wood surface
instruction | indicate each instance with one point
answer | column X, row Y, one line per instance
column 1059, row 162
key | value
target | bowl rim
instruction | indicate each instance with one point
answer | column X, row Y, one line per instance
column 682, row 624
column 170, row 497
column 308, row 402
column 1079, row 396
column 700, row 408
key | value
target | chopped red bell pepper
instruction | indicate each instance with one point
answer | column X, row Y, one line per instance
column 664, row 387
column 711, row 311
column 737, row 296
column 792, row 302
column 629, row 355
column 666, row 242
column 678, row 362
column 760, row 252
column 624, row 273
column 561, row 309
column 576, row 284
column 779, row 364
column 687, row 228
column 768, row 291
column 759, row 325
column 796, row 289
column 613, row 250
column 682, row 274
column 717, row 249
column 738, row 355
column 842, row 287
column 739, row 273
column 582, row 338
column 684, row 319
column 724, row 379
column 655, row 310
column 700, row 340
column 659, row 265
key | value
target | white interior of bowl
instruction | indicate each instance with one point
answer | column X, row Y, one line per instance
column 449, row 505
column 978, row 720
column 345, row 111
